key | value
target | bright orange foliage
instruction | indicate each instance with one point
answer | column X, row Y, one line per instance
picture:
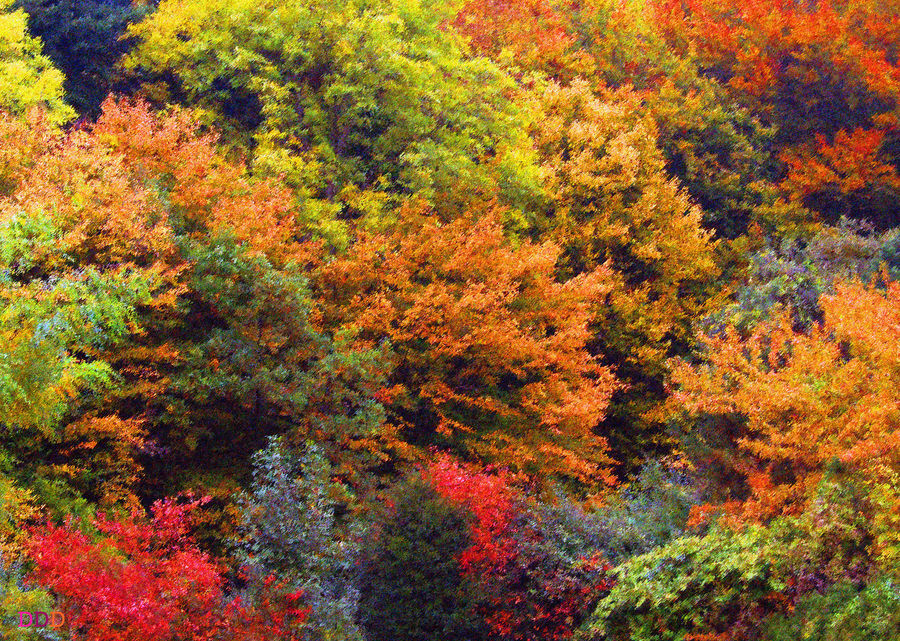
column 809, row 400
column 490, row 350
column 535, row 33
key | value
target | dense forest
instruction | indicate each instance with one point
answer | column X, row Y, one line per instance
column 450, row 320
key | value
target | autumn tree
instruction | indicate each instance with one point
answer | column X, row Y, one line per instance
column 489, row 350
column 613, row 203
column 178, row 312
column 536, row 575
column 57, row 318
column 796, row 403
column 27, row 77
column 410, row 582
column 717, row 148
column 823, row 74
column 355, row 102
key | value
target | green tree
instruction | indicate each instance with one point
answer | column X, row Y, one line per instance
column 411, row 585
column 354, row 101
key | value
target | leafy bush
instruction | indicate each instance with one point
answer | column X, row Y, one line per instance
column 648, row 513
column 844, row 612
column 536, row 566
column 15, row 597
column 724, row 581
column 412, row 588
column 146, row 579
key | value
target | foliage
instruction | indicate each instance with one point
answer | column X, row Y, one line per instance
column 842, row 613
column 535, row 570
column 354, row 101
column 647, row 513
column 804, row 400
column 717, row 586
column 290, row 530
column 489, row 350
column 190, row 318
column 16, row 507
column 794, row 274
column 27, row 77
column 824, row 74
column 615, row 205
column 17, row 597
column 532, row 287
column 142, row 579
column 531, row 35
column 410, row 584
column 83, row 38
column 718, row 148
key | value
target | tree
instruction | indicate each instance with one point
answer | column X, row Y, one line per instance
column 490, row 351
column 355, row 102
column 795, row 402
column 531, row 35
column 717, row 148
column 613, row 204
column 411, row 587
column 84, row 40
column 290, row 530
column 191, row 328
column 27, row 77
column 824, row 74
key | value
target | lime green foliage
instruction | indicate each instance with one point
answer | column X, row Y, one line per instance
column 354, row 101
column 27, row 77
column 693, row 585
column 50, row 326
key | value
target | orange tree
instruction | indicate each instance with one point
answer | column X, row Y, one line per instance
column 490, row 350
column 798, row 404
column 824, row 74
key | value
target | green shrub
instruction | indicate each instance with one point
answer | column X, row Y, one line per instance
column 411, row 586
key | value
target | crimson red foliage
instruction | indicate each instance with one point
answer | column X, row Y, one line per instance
column 146, row 579
column 531, row 591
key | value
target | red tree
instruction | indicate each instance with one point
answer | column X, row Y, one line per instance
column 531, row 590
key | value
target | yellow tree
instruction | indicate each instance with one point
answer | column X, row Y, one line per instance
column 612, row 202
column 27, row 77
